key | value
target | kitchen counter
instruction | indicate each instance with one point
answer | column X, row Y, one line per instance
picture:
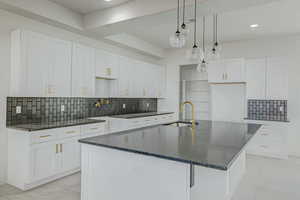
column 213, row 144
column 51, row 125
column 139, row 115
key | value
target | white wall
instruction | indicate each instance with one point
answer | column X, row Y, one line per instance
column 9, row 22
column 277, row 46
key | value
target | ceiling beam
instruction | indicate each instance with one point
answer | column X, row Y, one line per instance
column 130, row 10
column 46, row 10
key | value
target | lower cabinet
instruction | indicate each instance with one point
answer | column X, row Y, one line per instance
column 43, row 161
column 271, row 140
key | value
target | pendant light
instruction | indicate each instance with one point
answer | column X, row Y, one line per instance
column 184, row 28
column 216, row 50
column 177, row 40
column 195, row 52
column 202, row 66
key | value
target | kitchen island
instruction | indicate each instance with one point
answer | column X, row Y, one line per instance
column 166, row 162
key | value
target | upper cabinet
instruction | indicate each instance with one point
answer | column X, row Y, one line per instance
column 107, row 65
column 227, row 71
column 83, row 71
column 256, row 78
column 267, row 78
column 41, row 65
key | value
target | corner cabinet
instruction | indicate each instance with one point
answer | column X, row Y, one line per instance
column 83, row 71
column 40, row 65
column 227, row 71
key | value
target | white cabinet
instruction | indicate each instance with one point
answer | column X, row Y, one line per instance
column 271, row 140
column 40, row 65
column 267, row 78
column 226, row 71
column 43, row 161
column 70, row 154
column 277, row 79
column 256, row 78
column 83, row 71
column 43, row 156
column 107, row 65
column 126, row 77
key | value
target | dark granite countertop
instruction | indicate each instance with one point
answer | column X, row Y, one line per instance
column 139, row 115
column 214, row 144
column 50, row 125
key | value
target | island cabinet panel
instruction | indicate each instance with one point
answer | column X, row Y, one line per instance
column 112, row 175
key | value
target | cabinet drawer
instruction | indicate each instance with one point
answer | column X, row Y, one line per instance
column 93, row 128
column 43, row 136
column 68, row 132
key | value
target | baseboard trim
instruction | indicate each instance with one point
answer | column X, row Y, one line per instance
column 50, row 179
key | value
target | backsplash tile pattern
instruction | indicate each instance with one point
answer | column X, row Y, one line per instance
column 267, row 109
column 42, row 109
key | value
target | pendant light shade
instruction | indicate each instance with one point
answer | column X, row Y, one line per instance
column 177, row 40
column 195, row 53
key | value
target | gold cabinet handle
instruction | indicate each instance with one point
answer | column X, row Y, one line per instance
column 61, row 148
column 70, row 132
column 56, row 146
column 94, row 128
column 108, row 71
column 45, row 136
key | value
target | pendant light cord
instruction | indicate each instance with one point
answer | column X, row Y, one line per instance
column 183, row 13
column 195, row 25
column 216, row 28
column 203, row 35
column 178, row 11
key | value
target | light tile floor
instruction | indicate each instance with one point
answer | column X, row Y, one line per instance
column 265, row 179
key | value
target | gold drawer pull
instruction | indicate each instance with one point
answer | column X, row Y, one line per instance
column 94, row 128
column 70, row 132
column 45, row 136
column 61, row 148
column 264, row 134
column 57, row 151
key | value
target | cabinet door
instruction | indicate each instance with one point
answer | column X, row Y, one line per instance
column 83, row 71
column 124, row 83
column 43, row 161
column 216, row 72
column 59, row 83
column 256, row 78
column 277, row 79
column 37, row 51
column 235, row 70
column 106, row 65
column 70, row 154
column 161, row 87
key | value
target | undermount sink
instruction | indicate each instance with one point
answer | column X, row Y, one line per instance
column 182, row 124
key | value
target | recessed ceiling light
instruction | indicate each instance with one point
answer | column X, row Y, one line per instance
column 254, row 25
column 107, row 0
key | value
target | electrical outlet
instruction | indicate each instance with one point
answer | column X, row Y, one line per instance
column 147, row 105
column 62, row 108
column 18, row 109
column 124, row 105
column 281, row 108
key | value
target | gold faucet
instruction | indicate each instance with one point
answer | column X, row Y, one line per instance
column 193, row 111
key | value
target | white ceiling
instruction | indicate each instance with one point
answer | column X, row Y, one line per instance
column 275, row 18
column 87, row 6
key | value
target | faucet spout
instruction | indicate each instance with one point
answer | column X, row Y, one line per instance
column 193, row 111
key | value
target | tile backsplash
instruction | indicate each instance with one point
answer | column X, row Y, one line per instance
column 49, row 109
column 267, row 109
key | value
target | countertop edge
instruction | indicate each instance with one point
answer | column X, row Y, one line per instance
column 155, row 155
column 54, row 127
